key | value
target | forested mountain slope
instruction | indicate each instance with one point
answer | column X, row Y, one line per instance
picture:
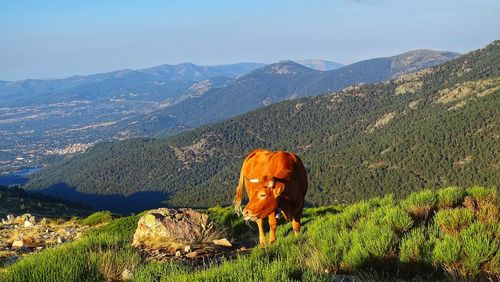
column 433, row 128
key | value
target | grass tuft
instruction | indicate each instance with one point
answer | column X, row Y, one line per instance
column 454, row 220
column 419, row 204
column 450, row 197
column 97, row 218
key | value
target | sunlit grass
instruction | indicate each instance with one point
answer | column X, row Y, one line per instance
column 371, row 238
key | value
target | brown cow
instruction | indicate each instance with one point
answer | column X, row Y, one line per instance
column 273, row 180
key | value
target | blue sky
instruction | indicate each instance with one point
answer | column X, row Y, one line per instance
column 47, row 39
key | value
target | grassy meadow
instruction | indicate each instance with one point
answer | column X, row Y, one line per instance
column 447, row 234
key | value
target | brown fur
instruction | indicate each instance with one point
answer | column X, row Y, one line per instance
column 282, row 181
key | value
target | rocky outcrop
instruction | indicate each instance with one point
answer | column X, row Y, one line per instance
column 175, row 229
column 24, row 234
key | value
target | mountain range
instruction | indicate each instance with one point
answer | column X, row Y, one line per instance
column 431, row 128
column 274, row 83
column 45, row 120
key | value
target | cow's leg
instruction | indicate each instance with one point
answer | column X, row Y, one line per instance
column 272, row 227
column 262, row 235
column 296, row 225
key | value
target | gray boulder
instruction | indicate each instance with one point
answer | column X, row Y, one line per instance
column 174, row 229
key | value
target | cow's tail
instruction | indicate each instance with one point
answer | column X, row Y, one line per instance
column 239, row 193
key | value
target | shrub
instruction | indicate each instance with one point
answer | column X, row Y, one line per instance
column 98, row 218
column 479, row 197
column 419, row 204
column 478, row 246
column 411, row 247
column 450, row 197
column 488, row 213
column 453, row 220
column 387, row 200
column 354, row 212
column 355, row 258
column 377, row 239
column 447, row 250
column 398, row 220
column 481, row 194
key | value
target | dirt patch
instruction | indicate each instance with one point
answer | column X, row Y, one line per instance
column 383, row 120
column 464, row 161
column 198, row 151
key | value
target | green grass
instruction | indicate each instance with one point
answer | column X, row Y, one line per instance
column 420, row 204
column 450, row 197
column 98, row 218
column 454, row 220
column 374, row 238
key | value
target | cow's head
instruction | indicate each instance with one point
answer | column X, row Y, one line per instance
column 263, row 197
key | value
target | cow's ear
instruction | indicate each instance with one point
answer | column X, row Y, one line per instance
column 278, row 188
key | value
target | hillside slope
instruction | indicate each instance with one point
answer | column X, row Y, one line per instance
column 452, row 234
column 428, row 129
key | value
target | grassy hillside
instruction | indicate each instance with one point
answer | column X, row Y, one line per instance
column 428, row 129
column 449, row 234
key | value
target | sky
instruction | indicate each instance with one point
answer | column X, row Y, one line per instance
column 51, row 39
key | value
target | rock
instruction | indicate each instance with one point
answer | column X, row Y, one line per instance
column 43, row 221
column 126, row 275
column 222, row 242
column 28, row 224
column 10, row 219
column 178, row 254
column 173, row 229
column 23, row 218
column 59, row 240
column 191, row 255
column 187, row 249
column 18, row 244
column 31, row 219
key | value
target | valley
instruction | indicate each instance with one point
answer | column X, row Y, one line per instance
column 42, row 121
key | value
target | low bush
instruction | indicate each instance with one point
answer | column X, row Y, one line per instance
column 452, row 221
column 481, row 194
column 413, row 246
column 98, row 218
column 419, row 204
column 398, row 219
column 478, row 246
column 488, row 213
column 450, row 197
column 447, row 250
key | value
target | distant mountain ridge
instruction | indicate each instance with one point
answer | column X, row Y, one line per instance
column 433, row 128
column 320, row 65
column 153, row 84
column 76, row 112
column 274, row 83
